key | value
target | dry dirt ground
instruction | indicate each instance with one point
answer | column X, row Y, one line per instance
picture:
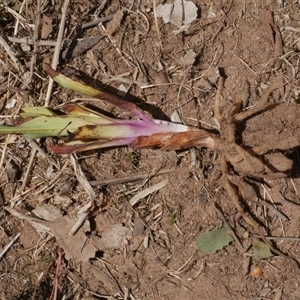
column 165, row 70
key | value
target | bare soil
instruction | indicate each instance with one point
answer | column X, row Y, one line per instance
column 164, row 71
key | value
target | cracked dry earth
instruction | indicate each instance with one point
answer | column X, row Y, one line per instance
column 165, row 71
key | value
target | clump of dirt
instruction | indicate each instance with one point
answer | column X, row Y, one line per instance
column 168, row 71
column 275, row 129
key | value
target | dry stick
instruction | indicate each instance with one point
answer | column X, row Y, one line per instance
column 275, row 36
column 229, row 227
column 57, row 49
column 19, row 17
column 11, row 54
column 183, row 267
column 3, row 154
column 13, row 12
column 53, row 180
column 179, row 92
column 49, row 91
column 115, row 46
column 245, row 64
column 99, row 295
column 95, row 22
column 217, row 113
column 156, row 24
column 29, row 168
column 35, row 38
column 9, row 245
column 32, row 63
column 284, row 238
column 34, row 145
column 89, row 190
column 114, row 279
column 100, row 8
column 29, row 41
column 58, row 269
column 130, row 178
column 17, row 63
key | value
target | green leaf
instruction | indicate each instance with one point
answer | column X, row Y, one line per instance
column 261, row 250
column 93, row 92
column 214, row 240
column 34, row 111
column 44, row 126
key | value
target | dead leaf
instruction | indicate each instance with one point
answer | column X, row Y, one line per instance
column 189, row 58
column 78, row 47
column 11, row 104
column 209, row 78
column 10, row 173
column 47, row 27
column 113, row 237
column 115, row 23
column 76, row 247
column 139, row 227
column 47, row 212
column 164, row 11
column 184, row 13
column 181, row 13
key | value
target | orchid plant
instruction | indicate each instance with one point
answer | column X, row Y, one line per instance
column 83, row 129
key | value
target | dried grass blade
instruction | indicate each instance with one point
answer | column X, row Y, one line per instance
column 147, row 192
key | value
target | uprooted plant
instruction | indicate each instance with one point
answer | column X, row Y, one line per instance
column 83, row 129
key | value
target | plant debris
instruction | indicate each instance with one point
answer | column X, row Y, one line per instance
column 214, row 240
column 181, row 13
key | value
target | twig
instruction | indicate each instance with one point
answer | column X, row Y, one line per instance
column 95, row 22
column 217, row 113
column 229, row 227
column 53, row 180
column 271, row 207
column 11, row 54
column 134, row 200
column 28, row 170
column 89, row 190
column 49, row 91
column 100, row 8
column 245, row 64
column 33, row 144
column 114, row 280
column 156, row 24
column 29, row 41
column 130, row 178
column 81, row 219
column 57, row 49
column 291, row 28
column 295, row 189
column 35, row 38
column 285, row 238
column 82, row 179
column 3, row 153
column 19, row 17
column 115, row 46
column 184, row 267
column 179, row 92
column 6, row 248
column 59, row 267
column 99, row 295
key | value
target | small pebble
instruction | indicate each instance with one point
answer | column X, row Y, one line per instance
column 256, row 272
